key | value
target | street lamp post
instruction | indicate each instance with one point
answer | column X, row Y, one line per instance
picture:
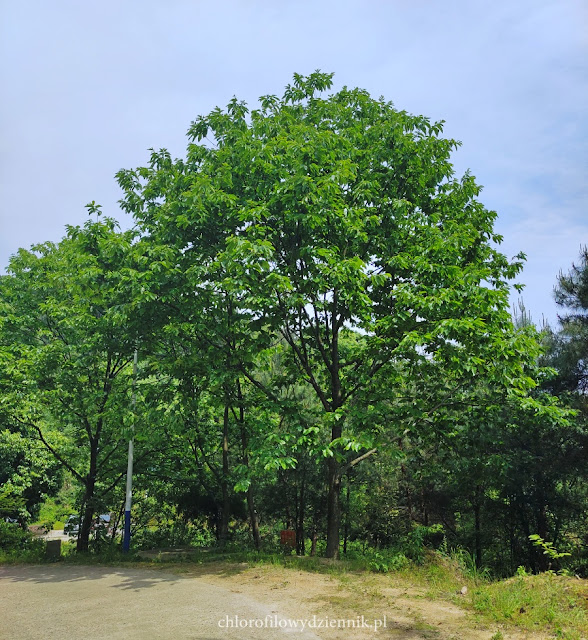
column 129, row 493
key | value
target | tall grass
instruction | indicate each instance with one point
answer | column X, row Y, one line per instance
column 546, row 601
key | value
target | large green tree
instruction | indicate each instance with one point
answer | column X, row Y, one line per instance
column 66, row 346
column 321, row 217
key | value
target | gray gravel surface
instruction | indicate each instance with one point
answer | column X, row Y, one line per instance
column 61, row 602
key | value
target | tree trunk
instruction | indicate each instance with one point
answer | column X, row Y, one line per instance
column 478, row 528
column 289, row 520
column 405, row 483
column 334, row 467
column 313, row 540
column 531, row 550
column 333, row 508
column 253, row 519
column 115, row 525
column 86, row 517
column 300, row 521
column 226, row 499
column 85, row 526
column 542, row 530
column 346, row 527
column 512, row 537
column 87, row 513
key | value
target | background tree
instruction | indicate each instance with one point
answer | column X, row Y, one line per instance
column 66, row 347
column 28, row 474
column 568, row 346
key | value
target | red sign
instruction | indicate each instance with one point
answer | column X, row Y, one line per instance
column 288, row 538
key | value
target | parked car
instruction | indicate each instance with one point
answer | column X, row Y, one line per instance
column 72, row 525
column 102, row 523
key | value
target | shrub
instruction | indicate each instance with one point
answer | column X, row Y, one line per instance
column 13, row 537
column 174, row 534
column 17, row 544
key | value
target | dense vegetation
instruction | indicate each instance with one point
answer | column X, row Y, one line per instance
column 321, row 316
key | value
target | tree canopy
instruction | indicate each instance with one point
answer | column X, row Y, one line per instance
column 66, row 346
column 316, row 218
column 321, row 312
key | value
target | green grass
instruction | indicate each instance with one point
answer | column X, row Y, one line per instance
column 22, row 556
column 549, row 602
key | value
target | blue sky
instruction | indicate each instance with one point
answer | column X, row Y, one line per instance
column 89, row 87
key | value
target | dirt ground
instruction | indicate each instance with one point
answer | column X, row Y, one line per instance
column 407, row 612
column 210, row 601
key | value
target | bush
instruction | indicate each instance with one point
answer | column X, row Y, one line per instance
column 13, row 537
column 174, row 534
column 383, row 562
column 17, row 544
column 420, row 538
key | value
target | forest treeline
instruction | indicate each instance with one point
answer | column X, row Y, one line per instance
column 321, row 317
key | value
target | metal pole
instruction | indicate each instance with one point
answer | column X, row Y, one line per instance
column 129, row 495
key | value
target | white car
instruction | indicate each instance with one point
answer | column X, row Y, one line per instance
column 72, row 525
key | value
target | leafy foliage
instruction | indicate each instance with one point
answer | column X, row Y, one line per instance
column 321, row 313
column 336, row 226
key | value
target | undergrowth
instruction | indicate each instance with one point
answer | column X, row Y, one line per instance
column 545, row 601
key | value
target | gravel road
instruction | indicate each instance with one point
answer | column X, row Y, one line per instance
column 70, row 602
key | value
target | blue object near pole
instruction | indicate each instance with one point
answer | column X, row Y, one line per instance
column 127, row 536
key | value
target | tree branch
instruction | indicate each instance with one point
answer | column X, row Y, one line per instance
column 53, row 451
column 352, row 464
